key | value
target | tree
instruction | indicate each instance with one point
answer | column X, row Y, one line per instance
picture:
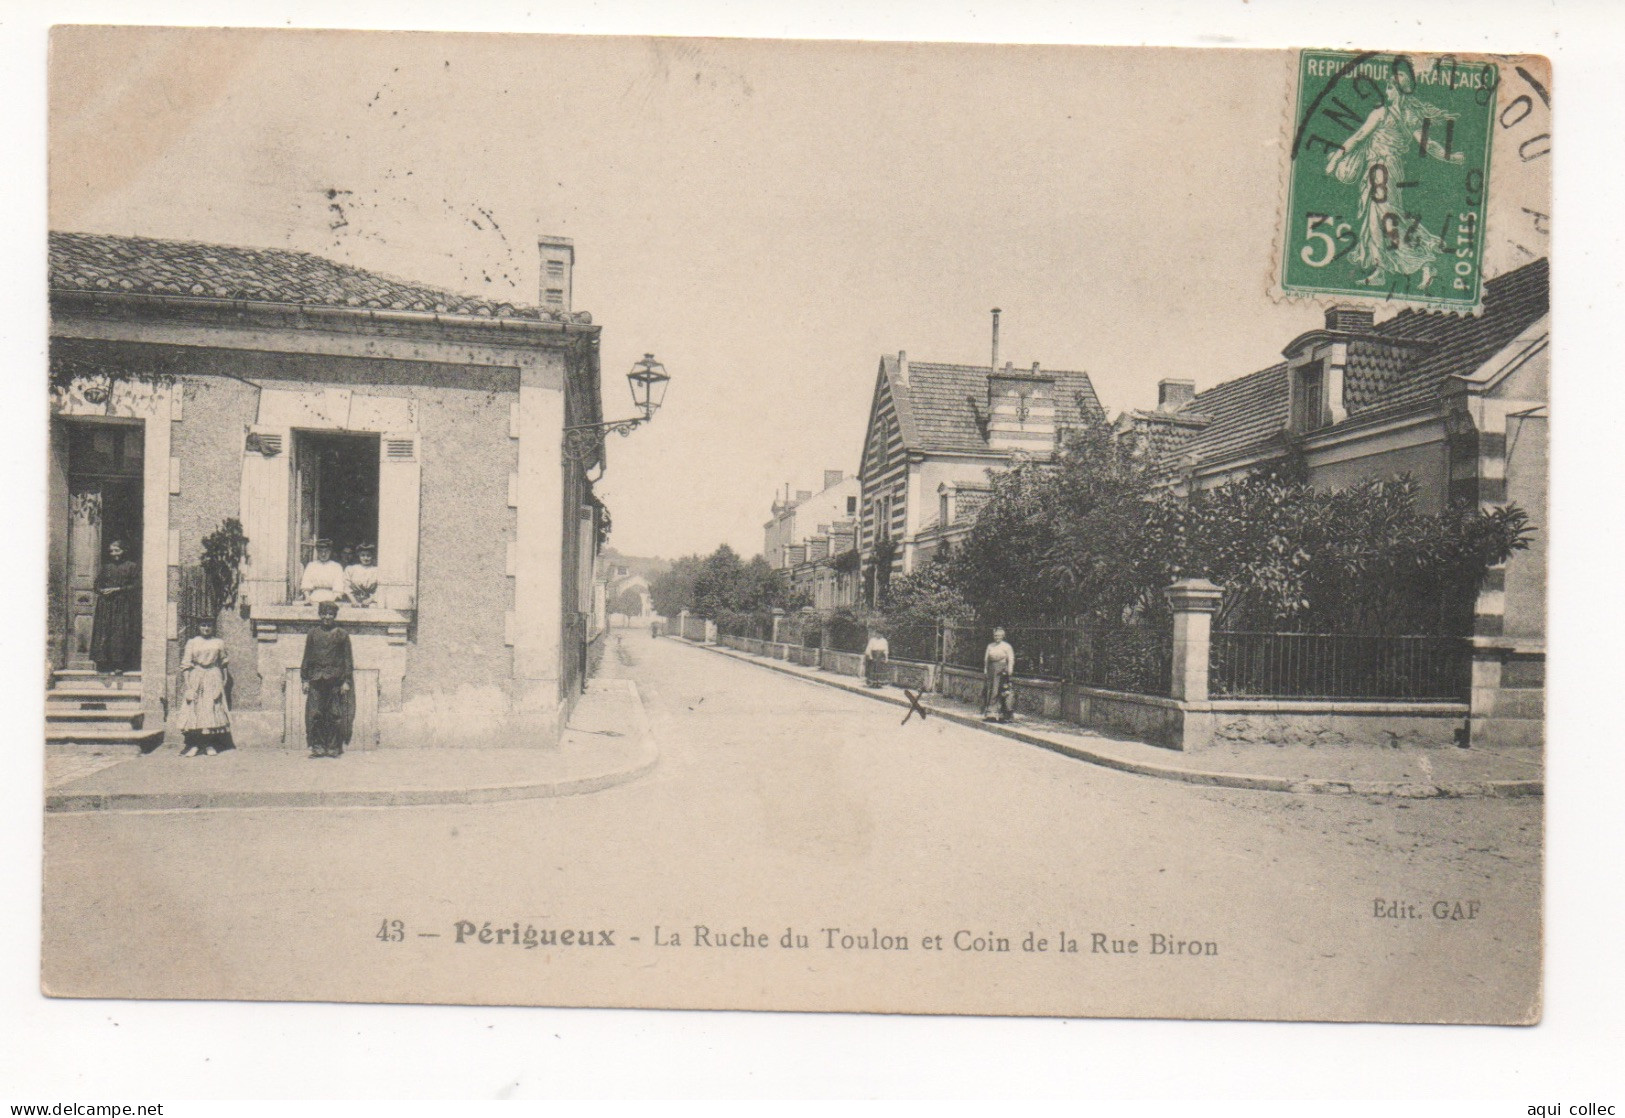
column 628, row 602
column 1366, row 558
column 1094, row 537
column 672, row 591
column 720, row 583
column 1059, row 540
column 930, row 594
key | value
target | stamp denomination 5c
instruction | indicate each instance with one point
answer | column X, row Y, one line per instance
column 1389, row 182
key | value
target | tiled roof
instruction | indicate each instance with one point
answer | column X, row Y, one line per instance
column 148, row 266
column 943, row 408
column 1460, row 344
column 1402, row 366
column 1243, row 415
column 1160, row 434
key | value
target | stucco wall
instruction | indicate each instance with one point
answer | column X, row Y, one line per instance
column 1526, row 473
column 1428, row 465
column 465, row 523
column 208, row 441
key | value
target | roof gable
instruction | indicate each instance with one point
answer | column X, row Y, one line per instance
column 1402, row 365
column 943, row 408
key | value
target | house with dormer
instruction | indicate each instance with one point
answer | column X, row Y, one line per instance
column 935, row 433
column 1457, row 402
column 199, row 387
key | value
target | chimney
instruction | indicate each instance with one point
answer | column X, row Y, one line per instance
column 1174, row 394
column 1021, row 412
column 902, row 365
column 1350, row 320
column 833, row 477
column 558, row 266
column 994, row 364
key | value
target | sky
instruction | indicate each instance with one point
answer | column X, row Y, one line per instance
column 766, row 218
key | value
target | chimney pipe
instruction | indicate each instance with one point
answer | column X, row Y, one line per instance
column 995, row 363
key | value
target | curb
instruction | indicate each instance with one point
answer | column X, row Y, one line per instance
column 1246, row 781
column 79, row 802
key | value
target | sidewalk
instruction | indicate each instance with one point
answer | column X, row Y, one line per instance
column 1359, row 769
column 607, row 743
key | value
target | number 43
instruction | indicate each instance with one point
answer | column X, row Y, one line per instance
column 1316, row 230
column 391, row 931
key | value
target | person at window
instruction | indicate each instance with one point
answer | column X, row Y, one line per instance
column 323, row 580
column 115, row 627
column 998, row 689
column 875, row 655
column 362, row 577
column 325, row 676
column 205, row 719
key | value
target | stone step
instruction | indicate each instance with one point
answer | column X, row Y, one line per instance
column 62, row 715
column 94, row 695
column 76, row 735
column 92, row 676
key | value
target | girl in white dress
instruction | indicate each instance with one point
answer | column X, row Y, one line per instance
column 204, row 721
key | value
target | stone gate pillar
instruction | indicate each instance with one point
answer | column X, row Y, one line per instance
column 1194, row 602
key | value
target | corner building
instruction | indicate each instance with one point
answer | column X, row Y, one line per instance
column 194, row 384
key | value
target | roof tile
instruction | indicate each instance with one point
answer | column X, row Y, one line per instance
column 150, row 266
column 943, row 407
column 1406, row 364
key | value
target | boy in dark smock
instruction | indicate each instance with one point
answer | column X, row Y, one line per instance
column 325, row 674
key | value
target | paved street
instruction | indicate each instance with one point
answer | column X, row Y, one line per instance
column 781, row 803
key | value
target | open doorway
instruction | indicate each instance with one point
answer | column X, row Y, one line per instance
column 104, row 468
column 335, row 477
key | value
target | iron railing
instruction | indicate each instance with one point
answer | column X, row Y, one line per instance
column 1257, row 665
column 913, row 642
column 1134, row 658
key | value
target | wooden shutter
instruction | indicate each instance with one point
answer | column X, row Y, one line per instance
column 400, row 479
column 266, row 490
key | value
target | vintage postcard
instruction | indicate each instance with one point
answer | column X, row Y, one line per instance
column 885, row 528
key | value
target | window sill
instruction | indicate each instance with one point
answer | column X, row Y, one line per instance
column 302, row 612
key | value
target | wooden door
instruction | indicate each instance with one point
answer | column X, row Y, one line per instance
column 84, row 559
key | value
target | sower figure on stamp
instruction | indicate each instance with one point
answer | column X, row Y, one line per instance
column 326, row 675
column 1390, row 242
column 998, row 688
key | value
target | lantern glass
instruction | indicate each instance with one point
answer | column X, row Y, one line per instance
column 648, row 381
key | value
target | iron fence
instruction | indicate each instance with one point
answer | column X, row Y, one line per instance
column 1256, row 665
column 1130, row 657
column 754, row 626
column 846, row 634
column 1135, row 657
column 193, row 596
column 913, row 642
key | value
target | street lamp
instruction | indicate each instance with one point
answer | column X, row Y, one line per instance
column 648, row 382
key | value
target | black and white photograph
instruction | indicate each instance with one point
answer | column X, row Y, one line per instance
column 635, row 522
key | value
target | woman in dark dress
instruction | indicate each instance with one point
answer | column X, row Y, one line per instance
column 115, row 630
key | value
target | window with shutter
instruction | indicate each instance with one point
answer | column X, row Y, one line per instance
column 400, row 482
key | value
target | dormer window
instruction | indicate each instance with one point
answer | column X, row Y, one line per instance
column 1309, row 397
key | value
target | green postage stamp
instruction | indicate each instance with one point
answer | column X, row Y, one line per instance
column 1389, row 179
